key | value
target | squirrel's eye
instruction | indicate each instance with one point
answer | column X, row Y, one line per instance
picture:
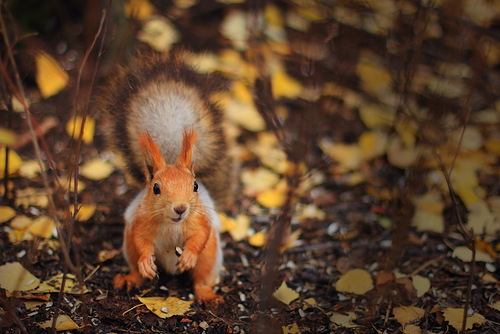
column 156, row 189
column 195, row 186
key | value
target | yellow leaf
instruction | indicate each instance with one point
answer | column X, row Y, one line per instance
column 258, row 180
column 348, row 156
column 43, row 227
column 50, row 76
column 344, row 320
column 292, row 241
column 421, row 285
column 285, row 294
column 203, row 62
column 374, row 79
column 374, row 116
column 15, row 162
column 272, row 198
column 244, row 115
column 63, row 323
column 74, row 125
column 428, row 214
column 292, row 329
column 454, row 316
column 356, row 281
column 309, row 302
column 166, row 307
column 258, row 239
column 53, row 285
column 493, row 146
column 7, row 137
column 284, row 85
column 96, row 169
column 13, row 277
column 159, row 34
column 373, row 144
column 21, row 222
column 139, row 9
column 406, row 314
column 239, row 231
column 481, row 219
column 242, row 92
column 6, row 213
column 234, row 27
column 465, row 254
column 411, row 329
column 30, row 169
column 85, row 211
column 32, row 197
column 399, row 155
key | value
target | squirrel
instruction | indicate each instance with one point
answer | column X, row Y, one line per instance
column 152, row 108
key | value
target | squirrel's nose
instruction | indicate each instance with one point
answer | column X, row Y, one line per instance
column 180, row 209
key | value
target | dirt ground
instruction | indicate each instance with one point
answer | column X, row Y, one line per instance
column 348, row 236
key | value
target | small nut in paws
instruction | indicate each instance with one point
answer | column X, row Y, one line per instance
column 147, row 266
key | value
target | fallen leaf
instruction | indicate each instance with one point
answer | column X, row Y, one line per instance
column 421, row 285
column 13, row 277
column 244, row 115
column 356, row 281
column 292, row 240
column 285, row 294
column 375, row 79
column 159, row 34
column 30, row 169
column 258, row 239
column 348, row 156
column 50, row 77
column 32, row 197
column 428, row 214
column 454, row 316
column 344, row 320
column 53, row 285
column 283, row 85
column 291, row 329
column 481, row 220
column 496, row 306
column 21, row 222
column 465, row 254
column 234, row 27
column 399, row 155
column 374, row 116
column 63, row 323
column 272, row 198
column 309, row 302
column 74, row 126
column 85, row 211
column 237, row 228
column 407, row 314
column 43, row 227
column 166, row 307
column 258, row 180
column 6, row 213
column 411, row 329
column 15, row 162
column 373, row 144
column 96, row 169
column 138, row 9
column 7, row 137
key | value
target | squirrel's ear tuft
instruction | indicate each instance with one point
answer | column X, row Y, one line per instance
column 153, row 160
column 185, row 159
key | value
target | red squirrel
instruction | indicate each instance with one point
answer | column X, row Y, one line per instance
column 161, row 120
column 173, row 211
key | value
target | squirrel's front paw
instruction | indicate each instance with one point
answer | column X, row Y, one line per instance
column 187, row 261
column 147, row 266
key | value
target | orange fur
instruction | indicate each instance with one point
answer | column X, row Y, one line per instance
column 169, row 215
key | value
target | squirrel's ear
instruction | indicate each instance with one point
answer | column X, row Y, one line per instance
column 153, row 160
column 185, row 159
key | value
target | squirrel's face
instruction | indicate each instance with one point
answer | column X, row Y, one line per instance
column 173, row 194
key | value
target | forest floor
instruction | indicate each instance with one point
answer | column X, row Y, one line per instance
column 372, row 103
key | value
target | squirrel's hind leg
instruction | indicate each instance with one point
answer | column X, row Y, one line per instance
column 206, row 272
column 132, row 280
